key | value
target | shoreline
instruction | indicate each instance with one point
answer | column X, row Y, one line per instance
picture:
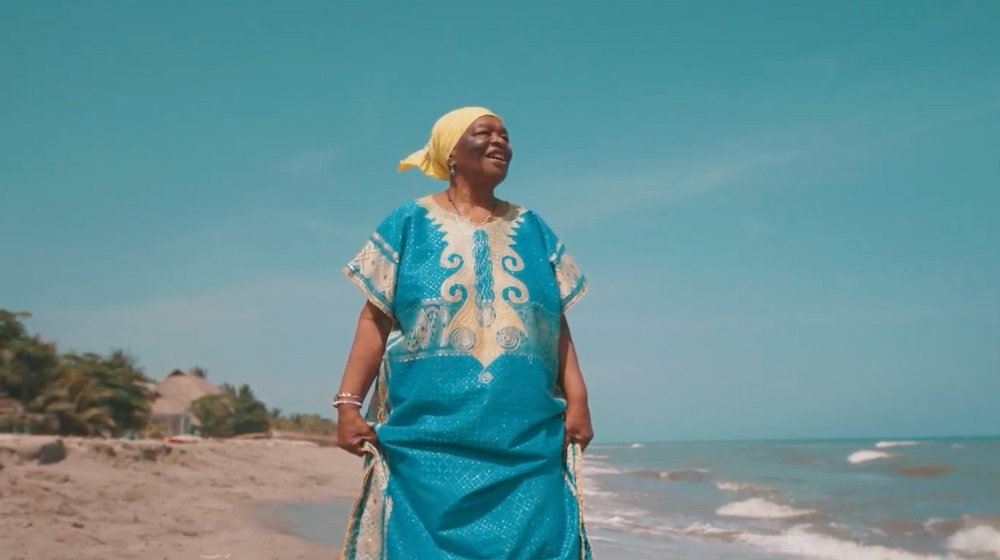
column 151, row 500
column 323, row 522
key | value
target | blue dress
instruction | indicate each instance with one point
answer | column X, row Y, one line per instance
column 470, row 462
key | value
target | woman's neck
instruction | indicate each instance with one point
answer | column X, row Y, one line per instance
column 466, row 197
column 475, row 205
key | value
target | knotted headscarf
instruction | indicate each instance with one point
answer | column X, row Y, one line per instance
column 433, row 159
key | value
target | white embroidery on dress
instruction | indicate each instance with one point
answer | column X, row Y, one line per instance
column 376, row 270
column 467, row 329
column 567, row 276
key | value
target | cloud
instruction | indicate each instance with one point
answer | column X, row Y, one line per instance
column 597, row 200
column 754, row 159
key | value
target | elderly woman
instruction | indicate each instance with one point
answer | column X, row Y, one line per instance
column 479, row 416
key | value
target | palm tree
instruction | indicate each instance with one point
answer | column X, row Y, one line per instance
column 77, row 402
column 126, row 388
column 28, row 364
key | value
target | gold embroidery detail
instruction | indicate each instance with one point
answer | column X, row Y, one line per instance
column 567, row 275
column 373, row 271
column 484, row 336
column 370, row 513
column 429, row 320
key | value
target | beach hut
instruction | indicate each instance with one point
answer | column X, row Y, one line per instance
column 172, row 398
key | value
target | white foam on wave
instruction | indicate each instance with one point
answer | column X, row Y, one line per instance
column 759, row 508
column 621, row 518
column 866, row 455
column 888, row 444
column 637, row 445
column 591, row 487
column 590, row 491
column 706, row 529
column 800, row 542
column 683, row 475
column 598, row 457
column 729, row 486
column 594, row 469
column 981, row 539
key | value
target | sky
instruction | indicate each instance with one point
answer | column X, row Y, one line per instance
column 788, row 212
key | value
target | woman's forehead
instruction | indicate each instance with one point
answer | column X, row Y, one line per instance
column 488, row 122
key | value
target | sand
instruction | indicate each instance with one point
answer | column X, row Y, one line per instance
column 203, row 500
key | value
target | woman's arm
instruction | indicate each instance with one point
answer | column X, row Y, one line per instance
column 362, row 366
column 366, row 351
column 578, row 425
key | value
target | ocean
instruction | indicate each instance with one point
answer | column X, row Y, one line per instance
column 836, row 500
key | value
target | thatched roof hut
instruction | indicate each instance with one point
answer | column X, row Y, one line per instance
column 174, row 395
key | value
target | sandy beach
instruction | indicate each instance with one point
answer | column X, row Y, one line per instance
column 151, row 500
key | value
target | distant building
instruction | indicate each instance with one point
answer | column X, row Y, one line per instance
column 172, row 398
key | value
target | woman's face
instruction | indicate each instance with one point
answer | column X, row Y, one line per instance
column 483, row 153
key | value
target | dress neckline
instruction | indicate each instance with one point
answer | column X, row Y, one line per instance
column 436, row 209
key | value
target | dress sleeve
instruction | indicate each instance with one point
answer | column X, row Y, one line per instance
column 374, row 269
column 572, row 283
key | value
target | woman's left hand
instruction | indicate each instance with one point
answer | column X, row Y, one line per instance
column 578, row 427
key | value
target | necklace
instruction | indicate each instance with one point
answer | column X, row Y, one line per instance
column 493, row 210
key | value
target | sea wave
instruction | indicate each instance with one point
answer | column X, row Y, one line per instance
column 745, row 487
column 926, row 471
column 595, row 469
column 759, row 508
column 682, row 475
column 621, row 518
column 968, row 525
column 590, row 491
column 888, row 444
column 799, row 541
column 708, row 531
column 866, row 455
column 978, row 540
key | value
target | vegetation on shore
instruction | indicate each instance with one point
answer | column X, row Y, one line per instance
column 44, row 391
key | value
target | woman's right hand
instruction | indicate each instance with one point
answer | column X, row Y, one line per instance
column 353, row 430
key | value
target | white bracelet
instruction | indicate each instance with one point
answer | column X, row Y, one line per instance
column 339, row 401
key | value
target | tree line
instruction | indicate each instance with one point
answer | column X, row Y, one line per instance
column 45, row 391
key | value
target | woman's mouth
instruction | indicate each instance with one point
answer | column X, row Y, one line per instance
column 498, row 158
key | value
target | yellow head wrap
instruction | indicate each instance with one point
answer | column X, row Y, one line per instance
column 433, row 159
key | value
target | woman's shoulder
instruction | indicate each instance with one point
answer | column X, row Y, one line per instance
column 408, row 207
column 528, row 215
